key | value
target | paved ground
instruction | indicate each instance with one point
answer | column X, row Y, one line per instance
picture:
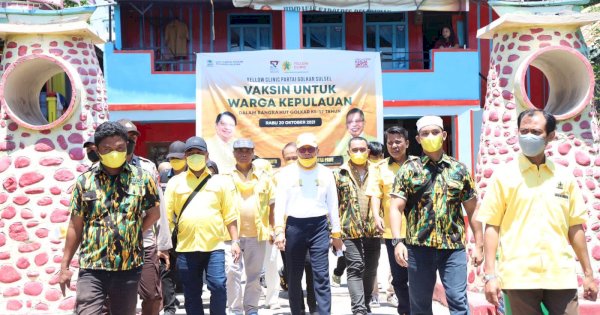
column 341, row 299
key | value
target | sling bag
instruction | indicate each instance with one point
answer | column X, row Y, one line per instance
column 187, row 201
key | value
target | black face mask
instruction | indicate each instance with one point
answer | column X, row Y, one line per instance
column 93, row 156
column 130, row 146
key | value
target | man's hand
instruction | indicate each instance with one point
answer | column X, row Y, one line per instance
column 280, row 241
column 337, row 244
column 492, row 292
column 401, row 255
column 477, row 255
column 235, row 251
column 590, row 289
column 379, row 224
column 164, row 256
column 64, row 279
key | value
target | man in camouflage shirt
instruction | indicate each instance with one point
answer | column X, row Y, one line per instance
column 359, row 232
column 106, row 219
column 430, row 191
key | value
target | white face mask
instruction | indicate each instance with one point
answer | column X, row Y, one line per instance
column 532, row 145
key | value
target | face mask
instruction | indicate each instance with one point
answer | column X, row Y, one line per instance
column 307, row 163
column 374, row 160
column 130, row 146
column 359, row 158
column 196, row 162
column 432, row 143
column 93, row 156
column 113, row 159
column 177, row 164
column 245, row 187
column 532, row 145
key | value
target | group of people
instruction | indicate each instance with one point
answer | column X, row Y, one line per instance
column 234, row 221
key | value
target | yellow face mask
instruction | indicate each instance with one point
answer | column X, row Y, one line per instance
column 308, row 163
column 432, row 143
column 177, row 164
column 359, row 158
column 196, row 162
column 245, row 186
column 113, row 159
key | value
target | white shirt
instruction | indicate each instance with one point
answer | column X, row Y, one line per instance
column 305, row 193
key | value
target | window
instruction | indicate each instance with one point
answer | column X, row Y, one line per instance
column 387, row 33
column 249, row 32
column 324, row 31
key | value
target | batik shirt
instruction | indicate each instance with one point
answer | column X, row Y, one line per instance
column 436, row 220
column 356, row 219
column 112, row 207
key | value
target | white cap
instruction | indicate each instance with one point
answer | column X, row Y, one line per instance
column 428, row 121
column 306, row 138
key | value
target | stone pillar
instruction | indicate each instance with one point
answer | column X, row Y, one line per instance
column 39, row 161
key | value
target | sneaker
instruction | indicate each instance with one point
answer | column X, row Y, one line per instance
column 392, row 299
column 336, row 281
column 375, row 302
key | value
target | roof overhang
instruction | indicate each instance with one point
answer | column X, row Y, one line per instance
column 355, row 6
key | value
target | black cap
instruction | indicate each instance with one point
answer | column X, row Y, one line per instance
column 195, row 143
column 176, row 150
column 89, row 141
column 129, row 126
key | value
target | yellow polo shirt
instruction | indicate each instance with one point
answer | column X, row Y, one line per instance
column 379, row 185
column 202, row 224
column 254, row 204
column 534, row 210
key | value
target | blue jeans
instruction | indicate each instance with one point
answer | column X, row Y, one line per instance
column 190, row 267
column 310, row 235
column 423, row 262
column 399, row 280
column 94, row 287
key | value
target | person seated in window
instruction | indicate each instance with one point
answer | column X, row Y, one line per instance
column 447, row 39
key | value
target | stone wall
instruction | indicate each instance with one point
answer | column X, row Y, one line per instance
column 39, row 163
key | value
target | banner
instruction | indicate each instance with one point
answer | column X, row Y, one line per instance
column 275, row 95
column 355, row 6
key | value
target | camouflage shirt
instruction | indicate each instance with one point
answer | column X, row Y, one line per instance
column 112, row 207
column 436, row 220
column 356, row 219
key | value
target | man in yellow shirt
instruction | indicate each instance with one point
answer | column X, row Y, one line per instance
column 254, row 197
column 379, row 188
column 534, row 209
column 200, row 243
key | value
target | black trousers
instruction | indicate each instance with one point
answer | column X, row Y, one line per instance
column 310, row 290
column 308, row 235
column 169, row 281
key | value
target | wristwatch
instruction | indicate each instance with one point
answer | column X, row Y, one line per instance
column 487, row 278
column 235, row 242
column 396, row 241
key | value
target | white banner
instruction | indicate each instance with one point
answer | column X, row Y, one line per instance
column 275, row 95
column 356, row 6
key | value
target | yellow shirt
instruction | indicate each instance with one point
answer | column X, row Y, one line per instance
column 202, row 224
column 379, row 185
column 534, row 210
column 254, row 204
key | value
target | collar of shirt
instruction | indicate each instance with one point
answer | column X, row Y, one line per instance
column 347, row 167
column 445, row 159
column 252, row 173
column 191, row 176
column 525, row 164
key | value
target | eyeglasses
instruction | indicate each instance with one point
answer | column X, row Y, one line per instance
column 356, row 150
column 305, row 150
